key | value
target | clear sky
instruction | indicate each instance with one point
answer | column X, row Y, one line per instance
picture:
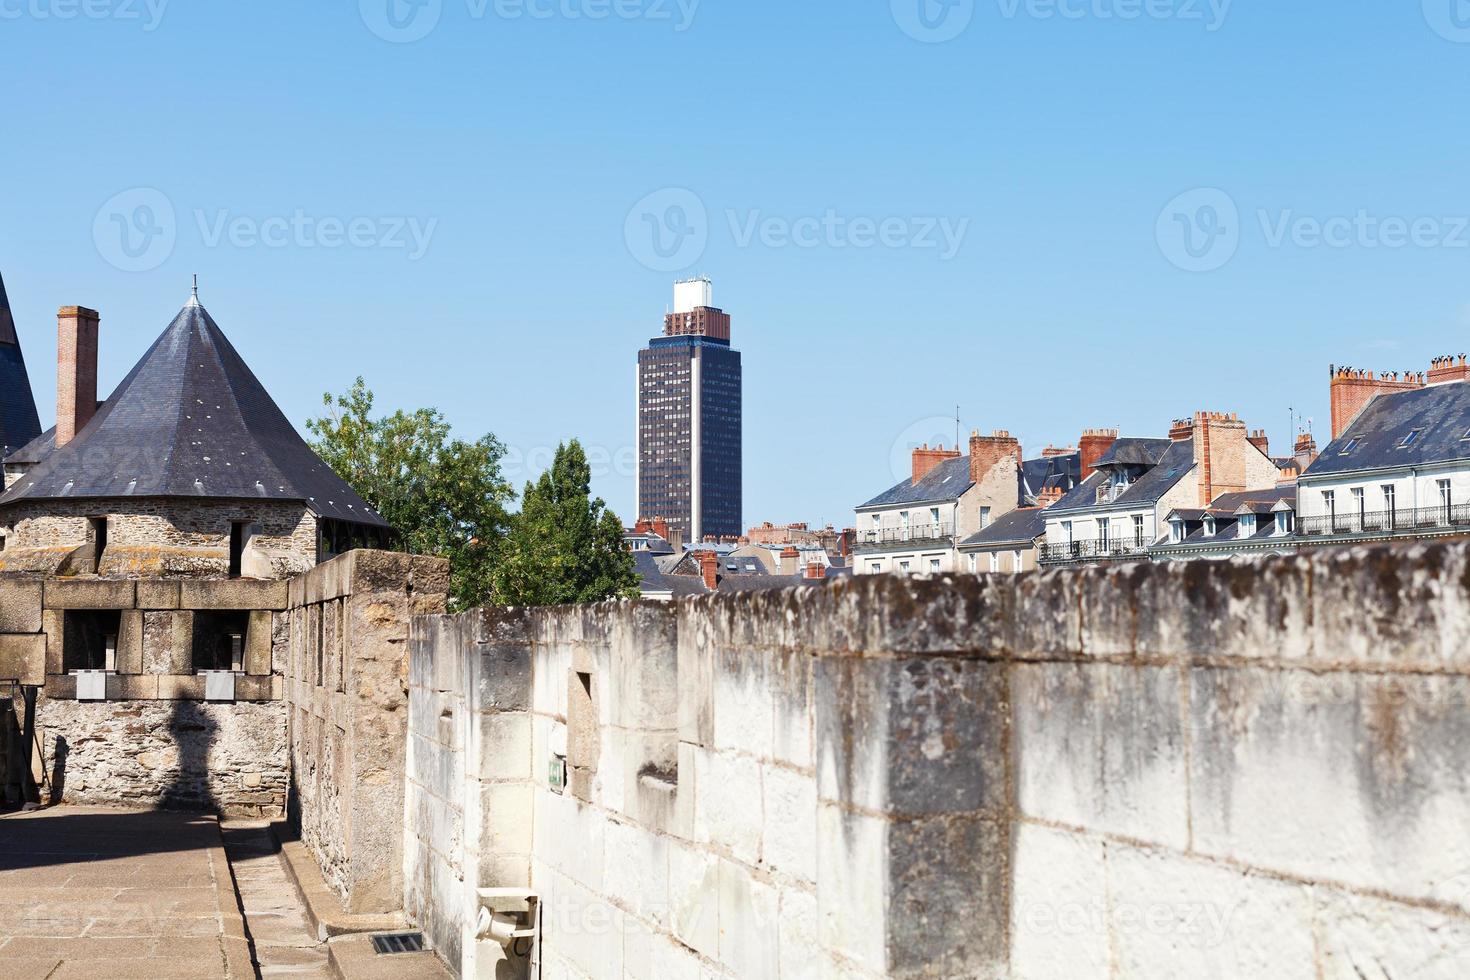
column 464, row 217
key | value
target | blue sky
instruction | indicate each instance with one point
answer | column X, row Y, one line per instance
column 289, row 153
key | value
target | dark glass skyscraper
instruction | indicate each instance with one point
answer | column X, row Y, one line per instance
column 689, row 440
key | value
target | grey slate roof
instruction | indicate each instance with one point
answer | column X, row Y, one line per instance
column 1441, row 411
column 1049, row 472
column 1133, row 451
column 19, row 423
column 1021, row 526
column 191, row 420
column 1175, row 460
column 947, row 481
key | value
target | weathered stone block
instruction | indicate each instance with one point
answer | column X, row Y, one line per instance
column 23, row 658
column 132, row 687
column 505, row 746
column 130, row 642
column 727, row 807
column 748, row 920
column 158, row 594
column 921, row 735
column 258, row 638
column 1060, row 885
column 174, row 687
column 53, row 624
column 61, row 593
column 254, row 689
column 1102, row 746
column 694, row 898
column 789, row 838
column 232, row 594
column 20, row 605
column 1361, row 757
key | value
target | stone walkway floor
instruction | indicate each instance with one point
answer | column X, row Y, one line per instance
column 90, row 893
column 284, row 944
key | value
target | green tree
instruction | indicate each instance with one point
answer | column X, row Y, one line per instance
column 564, row 546
column 443, row 496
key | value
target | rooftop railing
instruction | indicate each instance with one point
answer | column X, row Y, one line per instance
column 878, row 536
column 1398, row 521
column 1098, row 550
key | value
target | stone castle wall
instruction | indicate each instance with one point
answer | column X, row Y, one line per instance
column 1249, row 769
column 168, row 538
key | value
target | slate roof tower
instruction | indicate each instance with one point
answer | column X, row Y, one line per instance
column 19, row 423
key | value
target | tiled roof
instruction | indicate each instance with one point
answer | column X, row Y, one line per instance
column 19, row 423
column 191, row 420
column 1441, row 413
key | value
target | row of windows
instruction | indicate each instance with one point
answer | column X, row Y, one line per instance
column 1387, row 497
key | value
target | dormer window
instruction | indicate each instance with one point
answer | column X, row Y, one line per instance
column 1176, row 532
column 1209, row 526
column 1247, row 525
column 1283, row 522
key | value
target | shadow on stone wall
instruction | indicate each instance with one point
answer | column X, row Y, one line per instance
column 59, row 752
column 193, row 731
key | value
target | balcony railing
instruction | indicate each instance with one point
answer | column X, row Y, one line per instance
column 1099, row 550
column 879, row 536
column 1402, row 521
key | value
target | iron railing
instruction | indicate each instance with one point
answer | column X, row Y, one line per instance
column 1399, row 521
column 1098, row 550
column 902, row 535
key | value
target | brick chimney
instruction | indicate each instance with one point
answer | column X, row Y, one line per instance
column 1261, row 441
column 1094, row 445
column 816, row 570
column 1306, row 451
column 1181, row 430
column 925, row 459
column 1352, row 390
column 1219, row 452
column 709, row 568
column 1448, row 368
column 789, row 559
column 987, row 452
column 76, row 371
column 1048, row 496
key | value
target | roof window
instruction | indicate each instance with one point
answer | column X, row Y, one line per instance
column 1411, row 438
column 1351, row 445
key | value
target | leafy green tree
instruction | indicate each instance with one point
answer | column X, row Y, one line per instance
column 443, row 496
column 564, row 546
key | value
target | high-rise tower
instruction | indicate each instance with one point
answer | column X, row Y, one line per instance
column 689, row 391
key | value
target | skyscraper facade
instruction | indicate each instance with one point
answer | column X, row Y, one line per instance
column 689, row 428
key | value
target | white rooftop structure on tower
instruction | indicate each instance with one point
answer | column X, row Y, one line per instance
column 691, row 294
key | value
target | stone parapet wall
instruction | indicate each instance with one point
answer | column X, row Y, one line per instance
column 346, row 686
column 1256, row 768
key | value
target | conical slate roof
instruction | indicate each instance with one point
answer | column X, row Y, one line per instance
column 19, row 423
column 192, row 420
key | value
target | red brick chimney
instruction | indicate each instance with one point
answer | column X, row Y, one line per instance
column 1181, row 430
column 999, row 448
column 709, row 567
column 1048, row 496
column 925, row 459
column 1094, row 445
column 1448, row 368
column 76, row 371
column 816, row 570
column 1261, row 441
column 1352, row 390
column 789, row 558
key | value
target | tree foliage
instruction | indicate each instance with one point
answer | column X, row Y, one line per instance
column 443, row 496
column 564, row 546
